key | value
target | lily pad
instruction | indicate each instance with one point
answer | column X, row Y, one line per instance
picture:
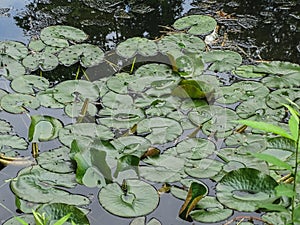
column 137, row 45
column 29, row 84
column 36, row 45
column 74, row 109
column 278, row 68
column 58, row 36
column 142, row 221
column 245, row 189
column 5, row 127
column 43, row 128
column 14, row 49
column 47, row 99
column 138, row 199
column 161, row 130
column 119, row 82
column 88, row 55
column 26, row 217
column 10, row 68
column 40, row 60
column 55, row 211
column 196, row 24
column 180, row 42
column 196, row 168
column 117, row 101
column 284, row 81
column 222, row 60
column 277, row 98
column 41, row 186
column 248, row 71
column 19, row 103
column 12, row 142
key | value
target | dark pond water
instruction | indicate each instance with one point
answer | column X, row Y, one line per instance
column 263, row 29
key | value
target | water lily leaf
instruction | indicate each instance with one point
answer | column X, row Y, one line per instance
column 131, row 145
column 88, row 55
column 127, row 162
column 75, row 90
column 196, row 24
column 92, row 178
column 74, row 109
column 12, row 142
column 175, row 43
column 192, row 148
column 137, row 45
column 36, row 45
column 58, row 36
column 278, row 68
column 47, row 99
column 41, row 186
column 222, row 60
column 278, row 218
column 142, row 221
column 10, row 68
column 40, row 60
column 120, row 118
column 56, row 160
column 18, row 103
column 117, row 101
column 196, row 168
column 196, row 192
column 164, row 169
column 84, row 132
column 5, row 127
column 43, row 128
column 201, row 114
column 26, row 217
column 282, row 81
column 194, row 89
column 119, row 82
column 248, row 71
column 161, row 130
column 138, row 199
column 15, row 50
column 29, row 84
column 55, row 211
column 245, row 189
column 277, row 98
column 242, row 91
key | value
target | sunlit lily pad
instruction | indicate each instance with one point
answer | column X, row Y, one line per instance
column 58, row 36
column 222, row 60
column 132, row 46
column 164, row 168
column 36, row 45
column 172, row 44
column 88, row 55
column 38, row 185
column 19, row 103
column 138, row 199
column 55, row 211
column 196, row 24
column 245, row 189
column 85, row 132
column 14, row 49
column 40, row 60
column 10, row 68
column 192, row 148
column 196, row 168
column 161, row 130
column 56, row 160
column 29, row 84
column 75, row 90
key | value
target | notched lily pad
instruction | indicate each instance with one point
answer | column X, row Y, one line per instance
column 10, row 68
column 29, row 84
column 14, row 49
column 136, row 199
column 196, row 24
column 19, row 103
column 40, row 60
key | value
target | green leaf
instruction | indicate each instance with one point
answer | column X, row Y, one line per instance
column 197, row 24
column 273, row 160
column 98, row 159
column 25, row 219
column 127, row 162
column 285, row 190
column 13, row 49
column 293, row 122
column 40, row 60
column 191, row 89
column 62, row 220
column 266, row 127
column 29, row 84
column 196, row 192
column 10, row 68
column 43, row 128
column 138, row 199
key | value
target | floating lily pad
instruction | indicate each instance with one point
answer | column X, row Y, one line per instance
column 74, row 109
column 43, row 128
column 19, row 103
column 245, row 189
column 41, row 186
column 192, row 148
column 137, row 45
column 142, row 221
column 248, row 71
column 10, row 68
column 26, row 217
column 12, row 142
column 56, row 160
column 196, row 168
column 117, row 101
column 119, row 82
column 14, row 49
column 175, row 43
column 5, row 127
column 138, row 199
column 55, row 211
column 277, row 98
column 88, row 55
column 161, row 130
column 46, row 99
column 196, row 24
column 278, row 68
column 282, row 81
column 222, row 60
column 120, row 118
column 86, row 132
column 58, row 36
column 40, row 60
column 75, row 90
column 36, row 45
column 29, row 84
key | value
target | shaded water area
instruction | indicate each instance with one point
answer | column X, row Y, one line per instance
column 263, row 30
